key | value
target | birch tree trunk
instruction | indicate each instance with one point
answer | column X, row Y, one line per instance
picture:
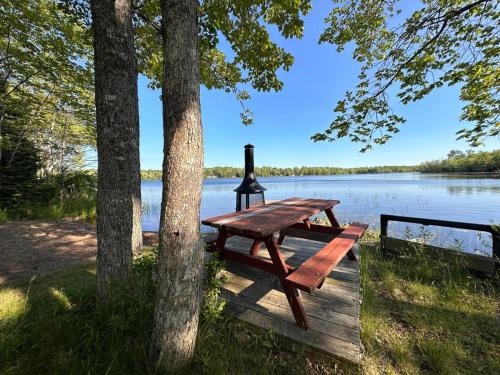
column 181, row 249
column 119, row 232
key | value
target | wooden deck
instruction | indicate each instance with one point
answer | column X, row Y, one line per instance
column 333, row 311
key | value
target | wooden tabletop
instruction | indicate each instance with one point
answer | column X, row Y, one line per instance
column 267, row 219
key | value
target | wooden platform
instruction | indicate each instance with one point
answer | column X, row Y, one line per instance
column 254, row 296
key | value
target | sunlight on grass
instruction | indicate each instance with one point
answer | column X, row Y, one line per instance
column 420, row 315
column 12, row 303
column 414, row 319
column 65, row 331
column 420, row 293
column 61, row 297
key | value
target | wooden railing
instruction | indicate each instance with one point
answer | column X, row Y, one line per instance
column 494, row 230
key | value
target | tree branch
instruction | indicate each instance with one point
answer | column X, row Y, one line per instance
column 445, row 19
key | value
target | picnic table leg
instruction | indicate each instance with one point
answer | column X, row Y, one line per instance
column 292, row 294
column 281, row 237
column 221, row 242
column 307, row 223
column 335, row 224
column 351, row 255
column 331, row 218
column 255, row 248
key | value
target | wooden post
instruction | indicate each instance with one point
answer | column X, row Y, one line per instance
column 383, row 233
column 495, row 236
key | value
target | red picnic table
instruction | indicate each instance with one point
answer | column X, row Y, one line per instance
column 289, row 217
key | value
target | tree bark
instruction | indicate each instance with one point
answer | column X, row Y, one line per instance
column 119, row 232
column 181, row 249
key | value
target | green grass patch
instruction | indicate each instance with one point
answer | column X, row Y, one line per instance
column 52, row 197
column 3, row 216
column 417, row 316
column 53, row 325
column 81, row 207
column 426, row 315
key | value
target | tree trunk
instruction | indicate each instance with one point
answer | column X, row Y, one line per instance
column 119, row 232
column 181, row 249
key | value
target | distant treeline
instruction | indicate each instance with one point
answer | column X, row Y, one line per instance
column 459, row 161
column 456, row 161
column 224, row 172
column 228, row 172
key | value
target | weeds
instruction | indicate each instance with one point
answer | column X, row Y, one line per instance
column 212, row 304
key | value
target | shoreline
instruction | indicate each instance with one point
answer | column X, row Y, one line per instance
column 486, row 174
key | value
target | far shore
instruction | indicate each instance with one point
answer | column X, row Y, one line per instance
column 495, row 174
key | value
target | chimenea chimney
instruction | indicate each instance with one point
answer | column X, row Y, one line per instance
column 250, row 193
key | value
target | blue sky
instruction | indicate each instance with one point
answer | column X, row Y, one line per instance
column 284, row 121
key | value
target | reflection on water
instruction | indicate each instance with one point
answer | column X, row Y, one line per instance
column 472, row 189
column 364, row 198
column 462, row 176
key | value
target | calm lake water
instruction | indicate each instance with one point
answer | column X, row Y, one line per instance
column 364, row 197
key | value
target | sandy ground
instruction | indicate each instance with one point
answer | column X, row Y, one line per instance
column 29, row 248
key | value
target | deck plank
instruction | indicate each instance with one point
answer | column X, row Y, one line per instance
column 322, row 343
column 341, row 302
column 345, row 315
column 256, row 297
column 332, row 296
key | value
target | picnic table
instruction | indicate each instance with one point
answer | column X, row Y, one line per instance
column 289, row 217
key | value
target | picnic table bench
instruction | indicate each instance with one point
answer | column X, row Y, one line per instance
column 289, row 217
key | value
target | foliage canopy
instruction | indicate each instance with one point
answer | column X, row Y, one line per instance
column 444, row 43
column 243, row 25
column 46, row 87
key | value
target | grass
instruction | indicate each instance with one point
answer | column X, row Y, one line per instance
column 73, row 195
column 81, row 207
column 425, row 315
column 52, row 325
column 417, row 317
column 3, row 216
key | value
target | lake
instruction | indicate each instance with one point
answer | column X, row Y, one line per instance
column 470, row 198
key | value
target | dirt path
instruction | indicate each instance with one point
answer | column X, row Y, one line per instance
column 29, row 248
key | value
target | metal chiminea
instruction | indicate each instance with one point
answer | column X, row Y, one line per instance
column 250, row 193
